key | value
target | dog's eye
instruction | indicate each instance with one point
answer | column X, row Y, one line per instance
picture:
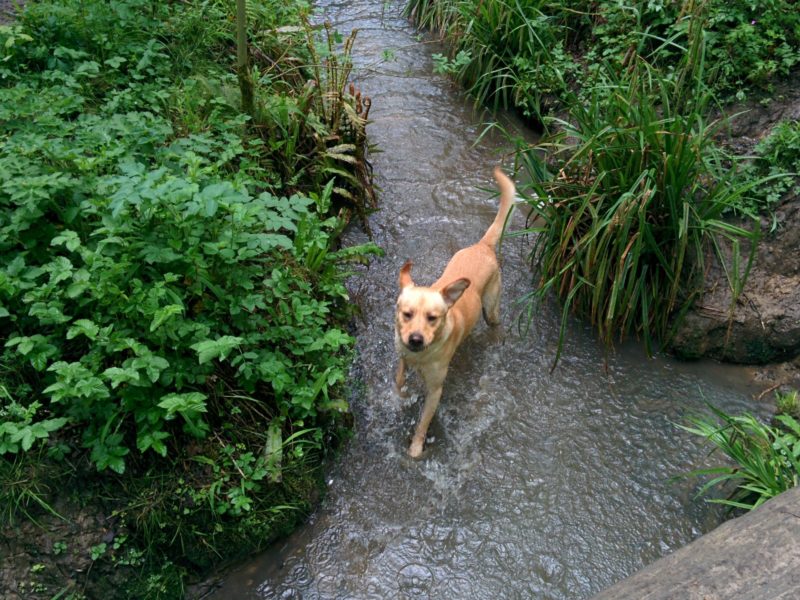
column 432, row 318
column 407, row 314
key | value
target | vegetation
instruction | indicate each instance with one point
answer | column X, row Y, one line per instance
column 526, row 54
column 629, row 179
column 776, row 161
column 766, row 459
column 636, row 203
column 172, row 306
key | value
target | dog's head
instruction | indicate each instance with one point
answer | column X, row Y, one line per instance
column 421, row 311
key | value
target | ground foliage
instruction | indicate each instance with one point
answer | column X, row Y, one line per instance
column 172, row 305
column 765, row 457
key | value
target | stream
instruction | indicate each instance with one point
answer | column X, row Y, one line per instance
column 534, row 484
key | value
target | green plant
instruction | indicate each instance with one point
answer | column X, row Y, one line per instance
column 531, row 54
column 173, row 313
column 445, row 66
column 59, row 547
column 788, row 403
column 507, row 54
column 635, row 201
column 776, row 160
column 766, row 459
column 98, row 551
column 25, row 489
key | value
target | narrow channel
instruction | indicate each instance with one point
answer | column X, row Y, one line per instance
column 535, row 484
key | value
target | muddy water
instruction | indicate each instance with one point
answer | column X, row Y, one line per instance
column 535, row 484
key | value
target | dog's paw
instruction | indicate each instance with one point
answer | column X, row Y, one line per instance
column 415, row 449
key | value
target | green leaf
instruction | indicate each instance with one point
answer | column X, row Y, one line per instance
column 67, row 238
column 118, row 376
column 163, row 314
column 152, row 439
column 187, row 404
column 219, row 348
column 24, row 344
column 83, row 327
column 190, row 406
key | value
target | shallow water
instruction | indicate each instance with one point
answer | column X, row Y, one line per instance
column 535, row 484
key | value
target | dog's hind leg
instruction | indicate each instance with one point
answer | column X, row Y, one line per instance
column 491, row 300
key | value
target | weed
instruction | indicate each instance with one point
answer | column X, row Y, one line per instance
column 528, row 54
column 766, row 459
column 776, row 160
column 788, row 403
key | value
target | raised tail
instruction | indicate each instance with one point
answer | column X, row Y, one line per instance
column 507, row 194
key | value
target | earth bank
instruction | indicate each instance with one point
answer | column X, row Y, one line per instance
column 763, row 327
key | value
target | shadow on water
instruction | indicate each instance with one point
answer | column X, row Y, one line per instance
column 537, row 484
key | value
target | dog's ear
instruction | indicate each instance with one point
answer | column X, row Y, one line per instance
column 453, row 292
column 405, row 275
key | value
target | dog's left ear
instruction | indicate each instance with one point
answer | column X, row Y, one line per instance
column 405, row 275
column 453, row 292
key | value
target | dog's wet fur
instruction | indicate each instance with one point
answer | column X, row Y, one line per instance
column 431, row 322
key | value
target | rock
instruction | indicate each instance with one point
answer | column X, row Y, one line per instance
column 754, row 556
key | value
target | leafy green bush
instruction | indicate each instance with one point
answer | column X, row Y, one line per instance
column 172, row 299
column 507, row 54
column 766, row 459
column 634, row 202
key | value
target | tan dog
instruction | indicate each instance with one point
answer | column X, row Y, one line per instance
column 432, row 321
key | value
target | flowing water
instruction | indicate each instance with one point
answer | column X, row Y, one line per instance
column 534, row 484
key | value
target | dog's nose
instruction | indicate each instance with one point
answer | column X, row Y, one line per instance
column 416, row 341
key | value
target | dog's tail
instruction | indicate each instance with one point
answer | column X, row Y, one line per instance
column 507, row 194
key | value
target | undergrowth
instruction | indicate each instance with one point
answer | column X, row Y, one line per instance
column 172, row 306
column 765, row 457
column 632, row 190
column 527, row 54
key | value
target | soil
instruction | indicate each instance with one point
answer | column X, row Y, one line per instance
column 764, row 326
column 74, row 550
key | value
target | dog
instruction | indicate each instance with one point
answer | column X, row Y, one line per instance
column 431, row 322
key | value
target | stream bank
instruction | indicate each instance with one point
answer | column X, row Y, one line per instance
column 763, row 329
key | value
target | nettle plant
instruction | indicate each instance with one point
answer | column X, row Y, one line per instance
column 146, row 278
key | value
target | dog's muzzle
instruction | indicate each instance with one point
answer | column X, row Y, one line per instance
column 415, row 342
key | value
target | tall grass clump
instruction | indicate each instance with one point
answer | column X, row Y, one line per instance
column 632, row 193
column 508, row 54
column 766, row 459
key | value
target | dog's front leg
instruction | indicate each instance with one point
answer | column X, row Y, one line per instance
column 400, row 378
column 434, row 378
column 428, row 410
